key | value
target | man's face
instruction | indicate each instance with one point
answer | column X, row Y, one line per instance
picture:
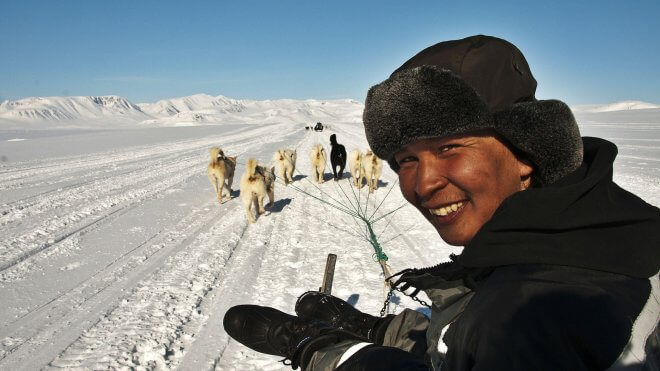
column 458, row 182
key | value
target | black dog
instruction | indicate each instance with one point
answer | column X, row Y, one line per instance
column 337, row 157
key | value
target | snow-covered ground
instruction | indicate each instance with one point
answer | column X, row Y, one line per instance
column 114, row 252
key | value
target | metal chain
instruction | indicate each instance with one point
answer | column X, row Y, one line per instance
column 389, row 297
column 415, row 298
column 387, row 302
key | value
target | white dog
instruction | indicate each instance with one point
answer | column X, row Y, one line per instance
column 285, row 159
column 256, row 183
column 355, row 164
column 221, row 168
column 373, row 167
column 318, row 158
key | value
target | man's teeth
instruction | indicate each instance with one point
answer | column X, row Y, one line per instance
column 444, row 211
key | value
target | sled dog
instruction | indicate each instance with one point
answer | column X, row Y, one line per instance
column 221, row 168
column 318, row 158
column 256, row 183
column 355, row 164
column 337, row 157
column 285, row 159
column 373, row 167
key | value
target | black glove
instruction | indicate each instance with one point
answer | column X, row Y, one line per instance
column 268, row 330
column 314, row 305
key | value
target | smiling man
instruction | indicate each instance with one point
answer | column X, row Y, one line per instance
column 560, row 265
column 458, row 182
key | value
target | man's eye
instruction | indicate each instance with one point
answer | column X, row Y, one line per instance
column 407, row 159
column 447, row 147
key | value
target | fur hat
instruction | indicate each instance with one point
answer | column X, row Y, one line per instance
column 463, row 86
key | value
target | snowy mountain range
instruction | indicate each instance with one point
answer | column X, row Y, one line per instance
column 199, row 109
column 618, row 106
column 204, row 109
column 629, row 111
column 70, row 109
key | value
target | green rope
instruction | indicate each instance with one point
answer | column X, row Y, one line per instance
column 383, row 200
column 366, row 204
column 355, row 211
column 393, row 238
column 349, row 212
column 355, row 207
column 385, row 227
column 352, row 232
column 379, row 255
column 320, row 191
column 390, row 212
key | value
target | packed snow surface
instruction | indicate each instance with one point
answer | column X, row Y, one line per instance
column 116, row 254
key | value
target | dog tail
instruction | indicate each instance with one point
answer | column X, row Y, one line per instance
column 214, row 151
column 251, row 167
column 278, row 156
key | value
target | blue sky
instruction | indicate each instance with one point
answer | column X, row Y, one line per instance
column 579, row 51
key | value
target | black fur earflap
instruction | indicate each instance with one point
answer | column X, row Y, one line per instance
column 546, row 132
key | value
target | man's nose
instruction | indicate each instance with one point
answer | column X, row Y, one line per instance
column 430, row 177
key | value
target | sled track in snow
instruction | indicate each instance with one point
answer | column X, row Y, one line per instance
column 130, row 200
column 88, row 301
column 57, row 239
column 190, row 275
column 150, row 184
column 102, row 302
column 246, row 259
column 22, row 204
column 94, row 189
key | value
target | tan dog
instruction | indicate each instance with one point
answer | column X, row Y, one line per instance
column 355, row 164
column 256, row 183
column 317, row 158
column 221, row 168
column 285, row 159
column 373, row 167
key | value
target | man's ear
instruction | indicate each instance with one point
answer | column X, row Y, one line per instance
column 525, row 169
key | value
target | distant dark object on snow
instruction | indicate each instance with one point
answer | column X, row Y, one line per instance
column 318, row 127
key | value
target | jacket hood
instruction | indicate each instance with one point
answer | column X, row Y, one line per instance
column 583, row 220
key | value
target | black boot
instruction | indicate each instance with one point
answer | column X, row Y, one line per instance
column 268, row 330
column 314, row 305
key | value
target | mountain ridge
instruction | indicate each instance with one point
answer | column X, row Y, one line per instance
column 197, row 109
column 205, row 109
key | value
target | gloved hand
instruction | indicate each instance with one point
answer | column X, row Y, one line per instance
column 268, row 330
column 314, row 305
